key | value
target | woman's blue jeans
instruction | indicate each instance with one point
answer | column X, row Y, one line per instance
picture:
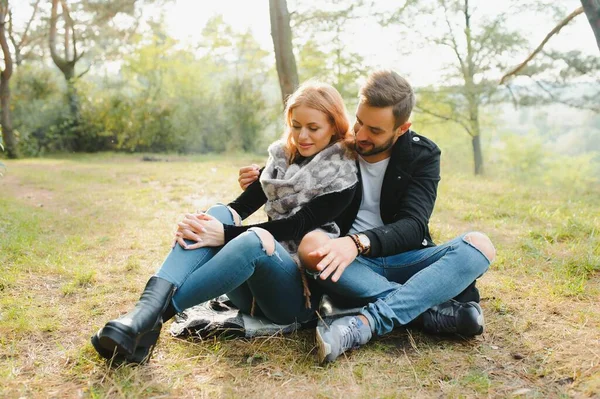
column 243, row 270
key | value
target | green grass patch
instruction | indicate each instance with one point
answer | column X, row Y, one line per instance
column 81, row 234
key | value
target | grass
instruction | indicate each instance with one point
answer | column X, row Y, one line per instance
column 80, row 235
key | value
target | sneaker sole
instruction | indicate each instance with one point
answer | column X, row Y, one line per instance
column 324, row 349
column 480, row 319
column 480, row 322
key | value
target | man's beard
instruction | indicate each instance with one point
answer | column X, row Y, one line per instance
column 375, row 150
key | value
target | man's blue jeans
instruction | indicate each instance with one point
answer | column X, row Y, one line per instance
column 241, row 269
column 396, row 289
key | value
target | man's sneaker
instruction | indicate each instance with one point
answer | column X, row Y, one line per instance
column 335, row 338
column 470, row 294
column 454, row 317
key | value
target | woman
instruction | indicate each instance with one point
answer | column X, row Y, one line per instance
column 308, row 181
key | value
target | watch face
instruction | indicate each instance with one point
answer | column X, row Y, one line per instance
column 364, row 240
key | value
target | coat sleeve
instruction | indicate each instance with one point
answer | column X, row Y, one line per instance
column 412, row 214
column 250, row 200
column 315, row 213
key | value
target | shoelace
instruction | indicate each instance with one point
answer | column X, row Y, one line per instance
column 443, row 319
column 350, row 336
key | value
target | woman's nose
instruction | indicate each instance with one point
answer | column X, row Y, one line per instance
column 304, row 133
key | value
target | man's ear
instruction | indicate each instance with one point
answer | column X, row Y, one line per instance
column 403, row 128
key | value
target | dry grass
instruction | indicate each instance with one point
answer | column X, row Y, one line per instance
column 80, row 235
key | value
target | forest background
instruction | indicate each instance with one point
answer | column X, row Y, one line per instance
column 113, row 77
column 91, row 90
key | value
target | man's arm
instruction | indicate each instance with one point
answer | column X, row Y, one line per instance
column 413, row 213
column 406, row 233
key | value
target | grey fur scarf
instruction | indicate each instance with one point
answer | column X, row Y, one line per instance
column 289, row 187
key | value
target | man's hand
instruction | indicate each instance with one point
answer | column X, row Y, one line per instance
column 338, row 254
column 248, row 175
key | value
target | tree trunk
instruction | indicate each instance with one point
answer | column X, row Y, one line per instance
column 592, row 10
column 282, row 42
column 472, row 94
column 8, row 136
column 72, row 95
column 477, row 154
column 66, row 65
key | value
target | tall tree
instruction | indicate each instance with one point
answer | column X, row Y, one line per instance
column 88, row 28
column 282, row 42
column 67, row 63
column 479, row 45
column 592, row 10
column 5, row 118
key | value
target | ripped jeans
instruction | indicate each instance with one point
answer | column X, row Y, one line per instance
column 394, row 290
column 243, row 270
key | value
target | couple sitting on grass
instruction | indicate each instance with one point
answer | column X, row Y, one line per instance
column 348, row 213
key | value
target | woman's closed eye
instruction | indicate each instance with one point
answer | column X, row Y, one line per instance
column 311, row 128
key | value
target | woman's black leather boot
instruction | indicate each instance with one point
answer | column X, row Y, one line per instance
column 135, row 334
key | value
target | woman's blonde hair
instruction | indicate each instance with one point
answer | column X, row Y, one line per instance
column 322, row 97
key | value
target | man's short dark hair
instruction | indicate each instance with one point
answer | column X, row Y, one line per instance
column 387, row 88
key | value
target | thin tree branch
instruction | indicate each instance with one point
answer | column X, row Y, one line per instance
column 454, row 45
column 10, row 29
column 69, row 23
column 26, row 31
column 539, row 48
column 86, row 70
column 565, row 102
column 444, row 117
column 512, row 96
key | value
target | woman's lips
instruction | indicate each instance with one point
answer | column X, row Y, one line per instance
column 304, row 145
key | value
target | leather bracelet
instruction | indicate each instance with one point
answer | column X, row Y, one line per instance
column 359, row 246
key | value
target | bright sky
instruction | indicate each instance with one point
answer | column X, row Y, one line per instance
column 185, row 19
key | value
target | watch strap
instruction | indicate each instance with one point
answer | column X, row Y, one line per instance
column 357, row 242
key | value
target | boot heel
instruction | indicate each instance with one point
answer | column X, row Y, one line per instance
column 145, row 347
column 149, row 339
column 112, row 338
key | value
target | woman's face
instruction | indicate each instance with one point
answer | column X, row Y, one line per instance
column 311, row 130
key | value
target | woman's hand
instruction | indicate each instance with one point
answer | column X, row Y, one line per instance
column 202, row 228
column 248, row 175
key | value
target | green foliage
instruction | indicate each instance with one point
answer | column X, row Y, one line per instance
column 164, row 99
column 39, row 109
column 322, row 52
column 526, row 159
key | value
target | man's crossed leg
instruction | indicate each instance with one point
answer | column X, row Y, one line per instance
column 412, row 286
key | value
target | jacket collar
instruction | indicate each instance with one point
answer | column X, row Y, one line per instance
column 402, row 151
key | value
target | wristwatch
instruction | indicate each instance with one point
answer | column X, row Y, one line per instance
column 362, row 242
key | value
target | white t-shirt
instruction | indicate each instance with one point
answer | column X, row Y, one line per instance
column 369, row 214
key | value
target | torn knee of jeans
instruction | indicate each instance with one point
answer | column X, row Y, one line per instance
column 482, row 243
column 266, row 239
column 237, row 220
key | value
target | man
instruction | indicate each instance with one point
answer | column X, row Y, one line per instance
column 385, row 259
